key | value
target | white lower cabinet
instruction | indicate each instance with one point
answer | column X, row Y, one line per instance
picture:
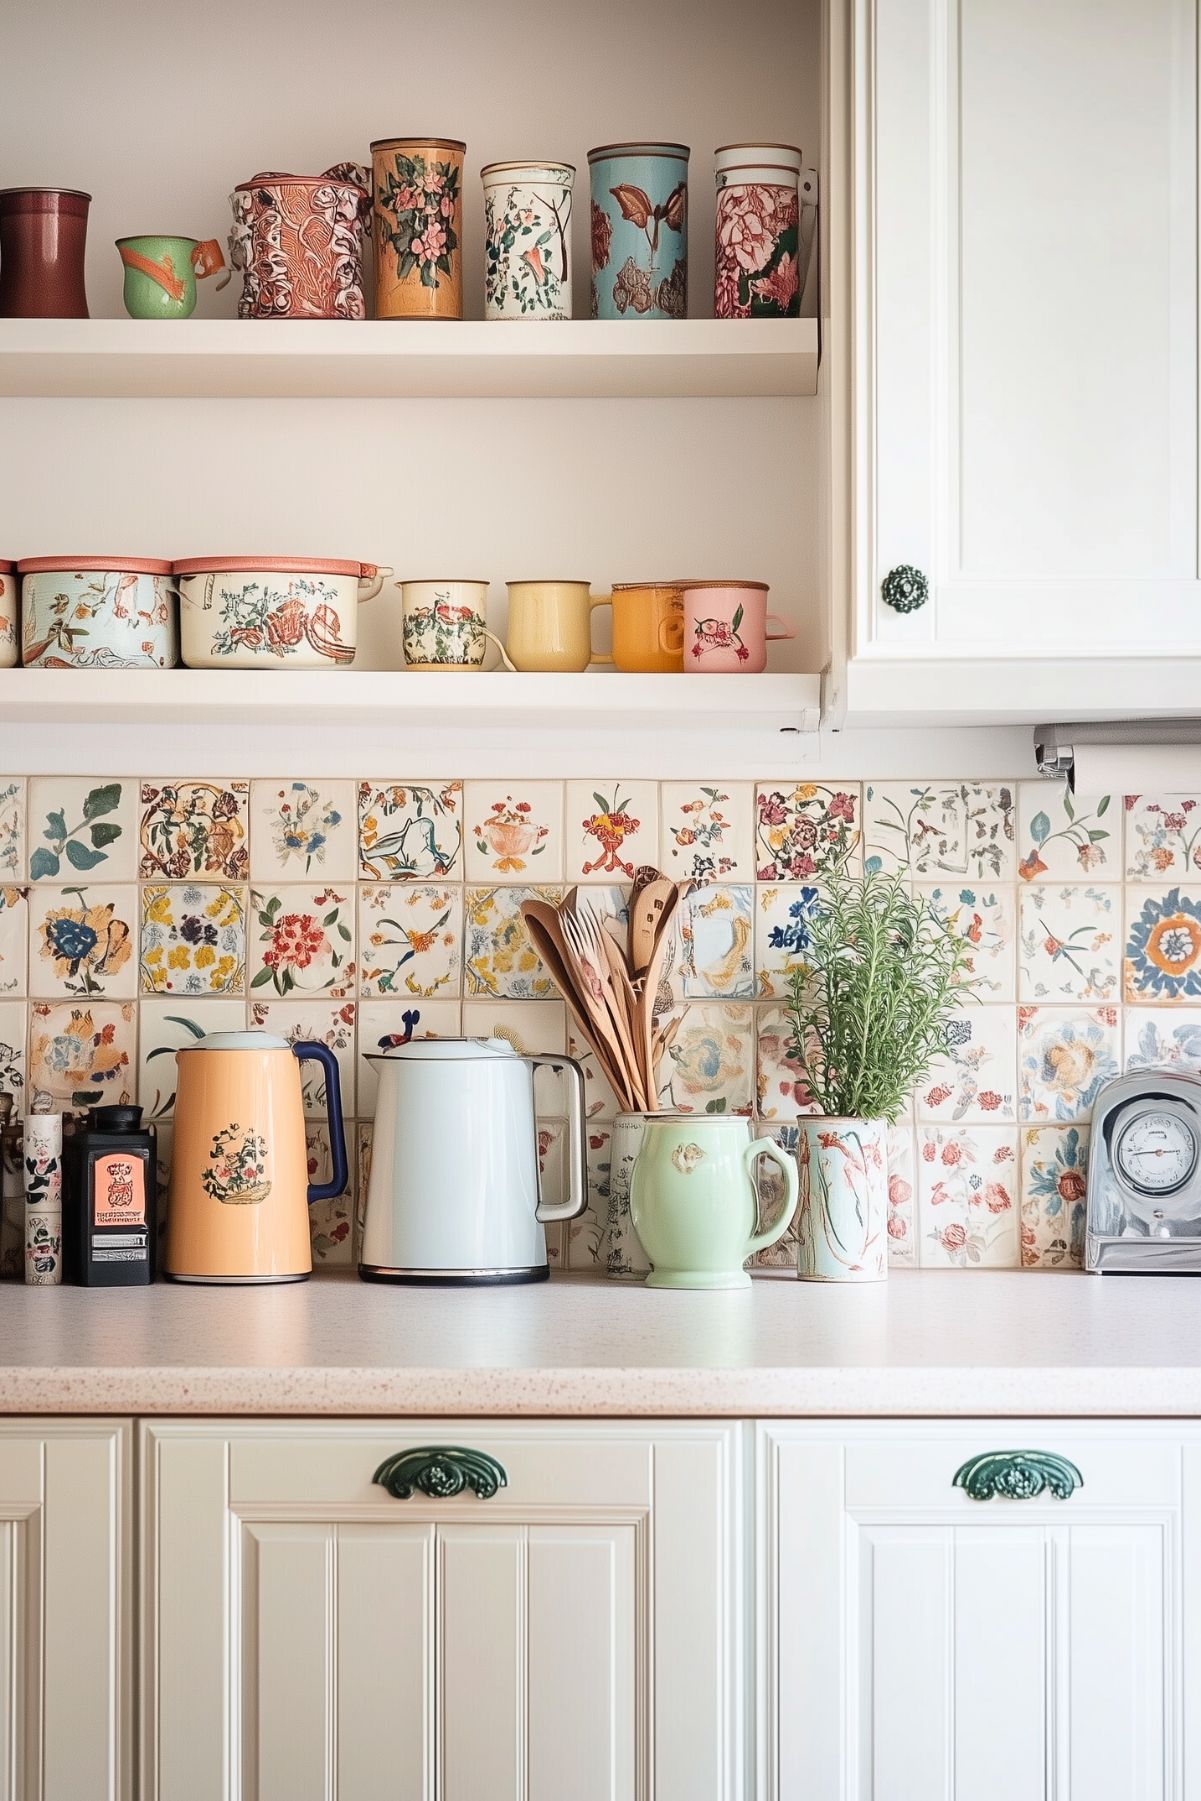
column 307, row 1634
column 919, row 1644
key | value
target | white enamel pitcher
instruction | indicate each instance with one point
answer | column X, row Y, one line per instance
column 454, row 1194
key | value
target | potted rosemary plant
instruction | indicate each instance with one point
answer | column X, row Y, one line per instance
column 868, row 1014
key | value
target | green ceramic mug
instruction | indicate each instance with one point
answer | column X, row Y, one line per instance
column 694, row 1201
column 160, row 274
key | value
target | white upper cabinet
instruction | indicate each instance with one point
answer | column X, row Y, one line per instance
column 1024, row 196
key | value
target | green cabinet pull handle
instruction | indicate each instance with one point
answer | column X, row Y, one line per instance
column 1017, row 1475
column 440, row 1471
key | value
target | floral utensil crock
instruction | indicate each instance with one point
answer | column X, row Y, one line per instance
column 639, row 215
column 757, row 269
column 418, row 227
column 527, row 240
column 298, row 241
column 161, row 273
column 694, row 1202
column 272, row 612
column 843, row 1215
column 98, row 613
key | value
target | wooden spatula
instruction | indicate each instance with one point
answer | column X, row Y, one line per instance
column 646, row 919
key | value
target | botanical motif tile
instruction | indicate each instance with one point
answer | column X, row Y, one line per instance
column 12, row 828
column 302, row 941
column 323, row 1022
column 331, row 1223
column 514, row 831
column 410, row 831
column 1069, row 939
column 805, row 831
column 382, row 1025
column 78, row 824
column 975, row 1077
column 983, row 919
column 303, row 831
column 1065, row 1057
column 784, row 1254
column 586, row 1233
column 710, row 1066
column 715, row 931
column 1163, row 837
column 782, row 942
column 81, row 1054
column 1067, row 837
column 498, row 958
column 781, row 1089
column 610, row 827
column 12, row 1051
column 964, row 830
column 410, row 939
column 14, row 940
column 1158, row 1040
column 364, row 1133
column 967, row 1197
column 82, row 941
column 193, row 939
column 1054, row 1178
column 195, row 828
column 903, row 1244
column 167, row 1026
column 708, row 831
column 1162, row 961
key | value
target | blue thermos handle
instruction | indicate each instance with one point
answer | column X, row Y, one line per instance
column 306, row 1050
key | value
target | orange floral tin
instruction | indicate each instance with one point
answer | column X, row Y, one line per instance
column 418, row 227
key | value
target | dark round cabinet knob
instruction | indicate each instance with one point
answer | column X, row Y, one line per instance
column 905, row 589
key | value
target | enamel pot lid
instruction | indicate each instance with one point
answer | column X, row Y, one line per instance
column 84, row 565
column 275, row 566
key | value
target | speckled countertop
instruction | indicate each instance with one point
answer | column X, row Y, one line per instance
column 926, row 1342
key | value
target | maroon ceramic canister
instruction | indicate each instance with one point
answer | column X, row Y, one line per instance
column 43, row 233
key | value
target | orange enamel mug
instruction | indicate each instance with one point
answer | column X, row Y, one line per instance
column 648, row 627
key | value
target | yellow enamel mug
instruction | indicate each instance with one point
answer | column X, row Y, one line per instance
column 550, row 625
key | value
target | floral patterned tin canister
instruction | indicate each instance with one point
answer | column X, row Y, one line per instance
column 298, row 240
column 9, row 612
column 639, row 231
column 757, row 267
column 98, row 613
column 271, row 612
column 527, row 240
column 842, row 1219
column 418, row 227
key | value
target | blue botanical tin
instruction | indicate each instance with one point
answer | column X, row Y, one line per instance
column 639, row 231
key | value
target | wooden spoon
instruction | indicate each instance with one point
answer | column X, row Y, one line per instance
column 646, row 920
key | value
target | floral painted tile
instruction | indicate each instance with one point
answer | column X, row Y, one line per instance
column 195, row 828
column 1054, row 1181
column 1163, row 836
column 806, row 831
column 707, row 831
column 784, row 1254
column 81, row 1054
column 303, row 831
column 410, row 831
column 1067, row 837
column 903, row 1244
column 331, row 1223
column 12, row 828
column 610, row 828
column 716, row 926
column 586, row 1233
column 410, row 939
column 83, row 941
column 78, row 824
column 963, row 830
column 12, row 1051
column 514, row 831
column 1065, row 1057
column 1159, row 1040
column 324, row 1022
column 1069, row 939
column 167, row 1026
column 14, row 940
column 301, row 940
column 983, row 919
column 498, row 958
column 782, row 943
column 193, row 939
column 710, row 1066
column 967, row 1197
column 781, row 1088
column 364, row 1134
column 1162, row 962
column 382, row 1025
column 975, row 1077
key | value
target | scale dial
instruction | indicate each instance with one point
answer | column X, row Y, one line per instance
column 1156, row 1152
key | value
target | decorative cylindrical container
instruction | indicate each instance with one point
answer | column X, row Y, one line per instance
column 444, row 627
column 418, row 227
column 639, row 231
column 44, row 1199
column 842, row 1224
column 694, row 1198
column 98, row 613
column 9, row 614
column 12, row 1190
column 527, row 240
column 271, row 612
column 624, row 1255
column 298, row 241
column 43, row 237
column 756, row 269
column 161, row 274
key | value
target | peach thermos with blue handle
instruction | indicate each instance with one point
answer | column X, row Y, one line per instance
column 240, row 1195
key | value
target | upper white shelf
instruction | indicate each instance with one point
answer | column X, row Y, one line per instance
column 419, row 359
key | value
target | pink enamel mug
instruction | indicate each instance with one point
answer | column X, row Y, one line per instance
column 727, row 627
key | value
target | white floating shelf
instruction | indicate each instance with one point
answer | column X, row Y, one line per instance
column 590, row 359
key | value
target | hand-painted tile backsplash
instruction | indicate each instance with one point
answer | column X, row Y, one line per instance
column 139, row 912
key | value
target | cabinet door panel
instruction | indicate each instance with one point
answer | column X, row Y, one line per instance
column 385, row 1638
column 481, row 1663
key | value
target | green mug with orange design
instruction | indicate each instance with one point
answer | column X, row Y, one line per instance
column 161, row 273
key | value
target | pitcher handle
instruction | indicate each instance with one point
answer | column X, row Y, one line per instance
column 767, row 1147
column 594, row 601
column 577, row 1155
column 308, row 1051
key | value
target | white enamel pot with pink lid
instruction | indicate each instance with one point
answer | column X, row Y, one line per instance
column 272, row 612
column 97, row 612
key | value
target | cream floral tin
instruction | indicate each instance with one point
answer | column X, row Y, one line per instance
column 527, row 240
column 98, row 613
column 271, row 612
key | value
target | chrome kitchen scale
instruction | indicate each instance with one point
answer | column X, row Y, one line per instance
column 1144, row 1177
